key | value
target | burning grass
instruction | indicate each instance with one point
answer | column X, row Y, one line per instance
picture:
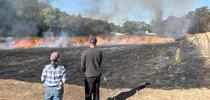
column 30, row 42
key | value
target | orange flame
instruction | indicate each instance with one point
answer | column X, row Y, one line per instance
column 83, row 40
column 28, row 43
column 118, row 40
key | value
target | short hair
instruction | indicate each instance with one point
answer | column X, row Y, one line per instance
column 93, row 39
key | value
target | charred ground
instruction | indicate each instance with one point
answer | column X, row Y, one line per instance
column 125, row 66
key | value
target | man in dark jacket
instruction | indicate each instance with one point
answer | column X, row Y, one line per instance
column 91, row 61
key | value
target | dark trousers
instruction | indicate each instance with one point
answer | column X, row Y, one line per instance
column 92, row 85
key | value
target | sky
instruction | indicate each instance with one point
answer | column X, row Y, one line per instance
column 76, row 7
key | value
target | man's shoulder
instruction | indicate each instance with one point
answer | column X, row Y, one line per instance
column 99, row 51
column 61, row 67
column 92, row 50
column 47, row 66
column 86, row 50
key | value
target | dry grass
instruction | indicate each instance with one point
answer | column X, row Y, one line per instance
column 19, row 90
column 176, row 94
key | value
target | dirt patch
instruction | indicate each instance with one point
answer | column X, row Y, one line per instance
column 19, row 90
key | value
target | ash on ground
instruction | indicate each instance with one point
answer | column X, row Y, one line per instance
column 125, row 66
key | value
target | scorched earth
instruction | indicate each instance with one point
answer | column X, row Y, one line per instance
column 134, row 72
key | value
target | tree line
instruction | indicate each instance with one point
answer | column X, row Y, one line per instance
column 32, row 17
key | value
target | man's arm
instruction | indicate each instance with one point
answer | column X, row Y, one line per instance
column 64, row 75
column 44, row 74
column 101, row 57
column 83, row 61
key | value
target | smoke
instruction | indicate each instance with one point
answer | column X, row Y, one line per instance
column 55, row 41
column 62, row 40
column 176, row 27
column 13, row 17
column 156, row 11
column 45, row 1
column 21, row 18
column 119, row 10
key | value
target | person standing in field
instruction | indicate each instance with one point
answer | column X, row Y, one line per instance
column 91, row 62
column 54, row 77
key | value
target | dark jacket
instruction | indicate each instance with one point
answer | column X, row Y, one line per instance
column 91, row 62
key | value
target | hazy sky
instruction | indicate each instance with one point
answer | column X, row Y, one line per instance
column 83, row 7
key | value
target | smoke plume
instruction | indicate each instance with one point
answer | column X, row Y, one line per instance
column 118, row 10
column 157, row 12
column 13, row 19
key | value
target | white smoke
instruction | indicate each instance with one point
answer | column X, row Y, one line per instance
column 176, row 27
column 12, row 23
column 118, row 10
column 55, row 41
column 62, row 41
column 158, row 12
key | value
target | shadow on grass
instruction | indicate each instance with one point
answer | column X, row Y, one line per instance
column 127, row 94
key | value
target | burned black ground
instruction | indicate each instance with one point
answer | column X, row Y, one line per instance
column 125, row 66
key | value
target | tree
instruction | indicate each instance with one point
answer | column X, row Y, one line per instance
column 130, row 27
column 142, row 26
column 202, row 16
column 135, row 27
column 49, row 16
